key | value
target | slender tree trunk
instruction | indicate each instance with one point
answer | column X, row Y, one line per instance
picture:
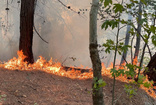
column 124, row 55
column 26, row 28
column 94, row 55
column 138, row 36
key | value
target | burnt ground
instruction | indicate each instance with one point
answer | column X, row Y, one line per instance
column 40, row 88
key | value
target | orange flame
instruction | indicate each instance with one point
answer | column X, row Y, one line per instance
column 42, row 64
column 57, row 69
column 135, row 60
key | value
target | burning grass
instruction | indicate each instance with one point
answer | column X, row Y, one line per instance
column 57, row 69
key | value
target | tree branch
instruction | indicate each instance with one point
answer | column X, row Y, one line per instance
column 68, row 7
column 40, row 35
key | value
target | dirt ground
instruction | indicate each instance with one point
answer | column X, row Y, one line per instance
column 40, row 88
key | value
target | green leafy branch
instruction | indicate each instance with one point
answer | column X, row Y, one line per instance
column 110, row 46
column 98, row 83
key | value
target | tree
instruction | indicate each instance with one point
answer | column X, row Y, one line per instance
column 137, row 47
column 151, row 67
column 26, row 28
column 114, row 10
column 94, row 55
column 151, row 71
column 124, row 55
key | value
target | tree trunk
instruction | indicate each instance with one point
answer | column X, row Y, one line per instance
column 124, row 55
column 94, row 55
column 137, row 47
column 26, row 28
column 151, row 71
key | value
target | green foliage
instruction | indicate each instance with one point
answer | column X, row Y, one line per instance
column 122, row 48
column 152, row 29
column 147, row 84
column 141, row 81
column 118, row 8
column 113, row 20
column 110, row 46
column 131, row 70
column 130, row 91
column 106, row 2
column 117, row 72
column 98, row 83
column 110, row 23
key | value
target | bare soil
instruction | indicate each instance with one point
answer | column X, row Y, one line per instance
column 40, row 88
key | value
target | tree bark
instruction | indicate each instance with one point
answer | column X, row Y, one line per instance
column 94, row 55
column 137, row 47
column 151, row 71
column 26, row 28
column 124, row 55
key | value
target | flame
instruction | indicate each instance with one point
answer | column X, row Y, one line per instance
column 57, row 69
column 135, row 60
column 47, row 66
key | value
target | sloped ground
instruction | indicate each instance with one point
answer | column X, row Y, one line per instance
column 40, row 88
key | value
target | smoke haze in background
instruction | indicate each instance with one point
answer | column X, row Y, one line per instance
column 66, row 31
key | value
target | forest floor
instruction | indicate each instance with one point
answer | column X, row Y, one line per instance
column 41, row 88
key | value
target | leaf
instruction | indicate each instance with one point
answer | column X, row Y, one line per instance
column 114, row 72
column 118, row 8
column 95, row 79
column 147, row 85
column 152, row 29
column 121, row 71
column 95, row 86
column 109, row 45
column 107, row 2
column 106, row 24
column 101, row 83
column 114, row 23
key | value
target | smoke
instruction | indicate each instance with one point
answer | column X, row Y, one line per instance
column 9, row 30
column 66, row 31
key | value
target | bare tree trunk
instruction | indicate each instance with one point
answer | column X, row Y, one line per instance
column 124, row 55
column 26, row 28
column 138, row 31
column 94, row 55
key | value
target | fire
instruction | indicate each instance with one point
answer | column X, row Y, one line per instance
column 135, row 60
column 47, row 66
column 57, row 69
